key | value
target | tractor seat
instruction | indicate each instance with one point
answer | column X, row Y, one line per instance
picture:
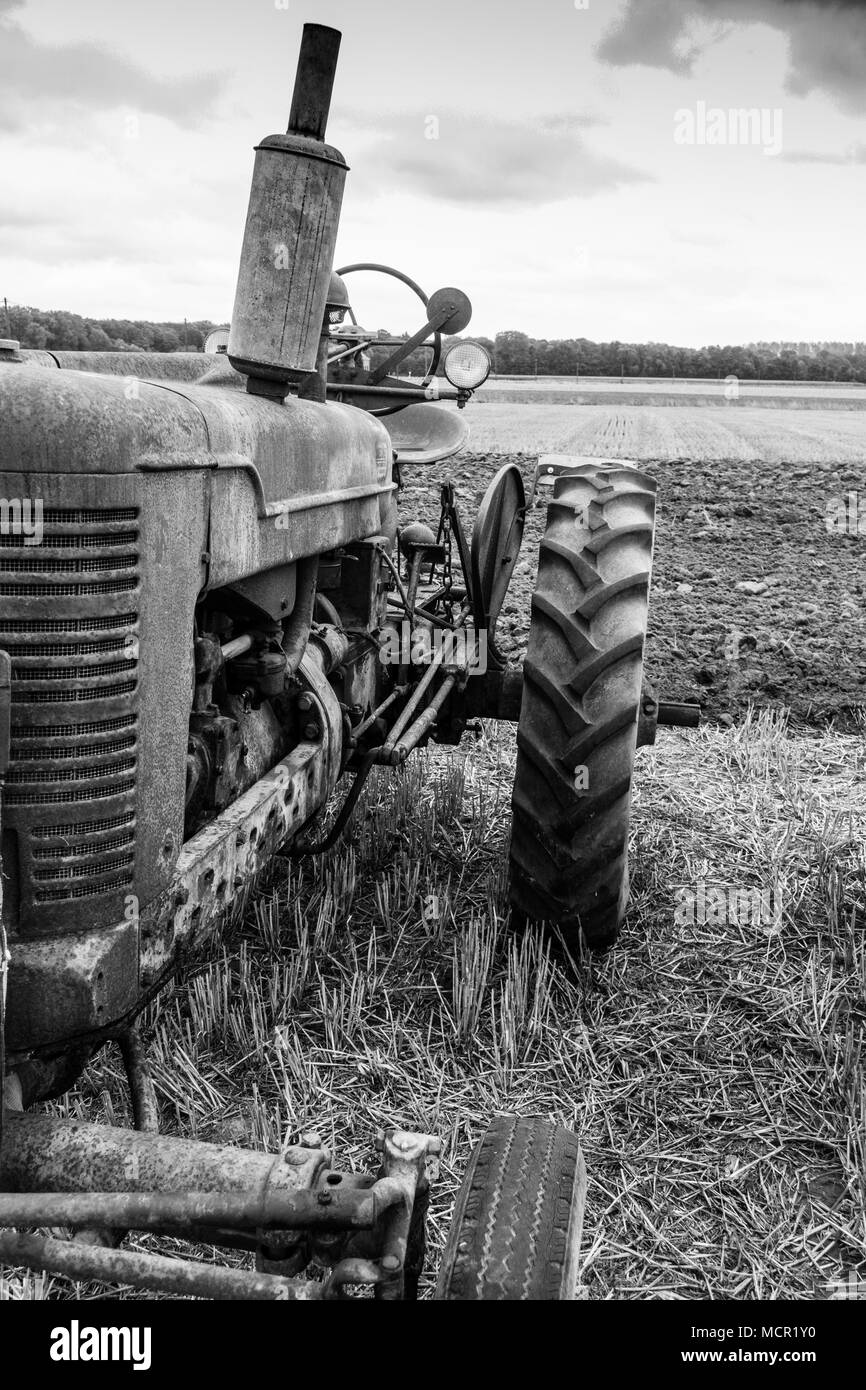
column 426, row 433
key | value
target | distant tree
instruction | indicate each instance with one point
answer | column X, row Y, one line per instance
column 166, row 340
column 514, row 354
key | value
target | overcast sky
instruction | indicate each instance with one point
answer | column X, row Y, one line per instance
column 561, row 193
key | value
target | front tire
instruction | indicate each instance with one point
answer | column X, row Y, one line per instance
column 515, row 1235
column 578, row 726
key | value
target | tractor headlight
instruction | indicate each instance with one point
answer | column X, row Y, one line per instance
column 467, row 365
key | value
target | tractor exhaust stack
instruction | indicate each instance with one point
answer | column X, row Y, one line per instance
column 290, row 234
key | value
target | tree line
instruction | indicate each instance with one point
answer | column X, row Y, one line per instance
column 516, row 354
column 62, row 331
column 512, row 353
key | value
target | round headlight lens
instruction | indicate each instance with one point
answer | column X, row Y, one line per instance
column 467, row 365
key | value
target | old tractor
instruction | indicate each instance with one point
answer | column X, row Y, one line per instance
column 211, row 614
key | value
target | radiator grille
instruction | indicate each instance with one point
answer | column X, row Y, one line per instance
column 70, row 797
column 108, row 586
column 47, row 649
column 110, row 517
column 100, row 541
column 90, row 564
column 81, row 851
column 90, row 827
column 71, row 626
column 75, row 673
column 84, row 890
column 99, row 726
column 16, row 797
column 71, row 697
column 85, row 871
column 63, row 752
column 18, row 776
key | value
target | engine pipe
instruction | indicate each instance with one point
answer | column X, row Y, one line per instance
column 236, row 647
column 297, row 631
column 314, row 81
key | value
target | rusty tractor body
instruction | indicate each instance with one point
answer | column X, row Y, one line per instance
column 209, row 613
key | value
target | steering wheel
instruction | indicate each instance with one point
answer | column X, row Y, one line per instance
column 436, row 344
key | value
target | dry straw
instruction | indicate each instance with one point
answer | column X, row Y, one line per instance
column 714, row 1070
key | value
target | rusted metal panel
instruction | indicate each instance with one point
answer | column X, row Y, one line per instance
column 291, row 232
column 146, row 366
column 184, row 1278
column 102, row 674
column 217, row 863
column 80, row 981
column 307, row 476
column 44, row 1154
column 176, row 1211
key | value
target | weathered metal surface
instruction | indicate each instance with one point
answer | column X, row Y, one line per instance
column 314, row 81
column 61, row 1172
column 102, row 663
column 424, row 433
column 143, row 366
column 98, row 422
column 95, row 621
column 291, row 232
column 77, row 982
column 218, row 863
column 5, row 712
column 655, row 714
column 185, row 1278
column 496, row 540
column 44, row 1154
column 408, row 1161
column 156, row 1211
column 142, row 1092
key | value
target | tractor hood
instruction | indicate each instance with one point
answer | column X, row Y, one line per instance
column 83, row 418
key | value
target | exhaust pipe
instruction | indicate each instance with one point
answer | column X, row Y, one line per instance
column 291, row 233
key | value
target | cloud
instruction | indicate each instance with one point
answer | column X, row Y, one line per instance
column 87, row 77
column 826, row 48
column 481, row 161
column 649, row 34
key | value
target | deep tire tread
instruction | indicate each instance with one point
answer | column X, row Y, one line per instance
column 569, row 863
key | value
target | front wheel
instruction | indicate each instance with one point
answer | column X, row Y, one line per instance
column 515, row 1235
column 578, row 728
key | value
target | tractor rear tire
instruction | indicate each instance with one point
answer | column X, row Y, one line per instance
column 578, row 727
column 515, row 1235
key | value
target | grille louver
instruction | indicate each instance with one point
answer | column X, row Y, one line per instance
column 70, row 789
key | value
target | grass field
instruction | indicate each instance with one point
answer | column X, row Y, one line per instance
column 714, row 1073
column 670, row 432
column 714, row 1070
